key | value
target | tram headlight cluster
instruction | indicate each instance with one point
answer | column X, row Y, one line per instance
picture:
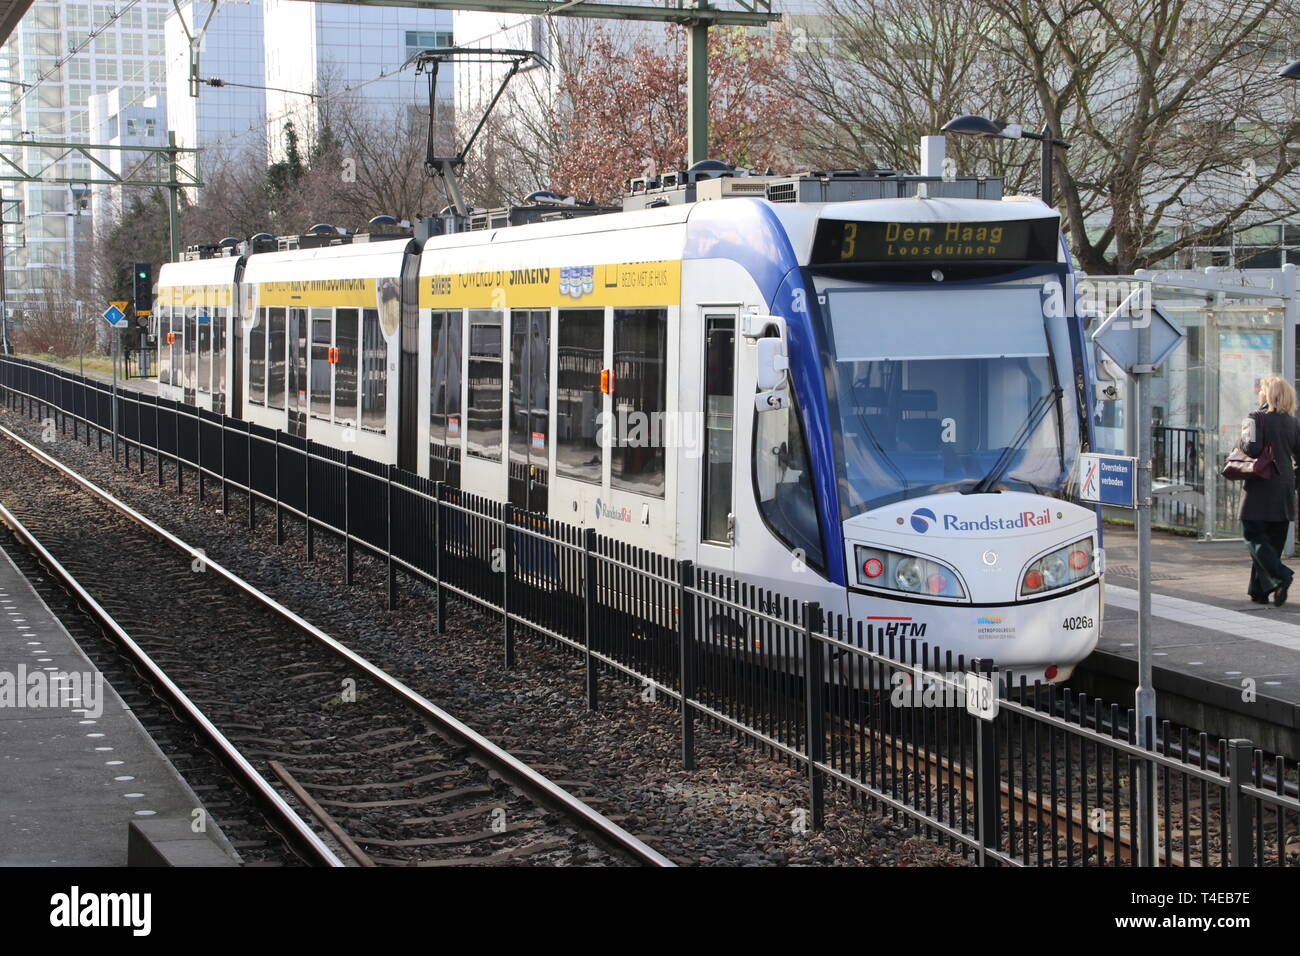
column 1059, row 569
column 894, row 571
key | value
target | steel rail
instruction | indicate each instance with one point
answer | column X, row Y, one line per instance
column 514, row 771
column 295, row 829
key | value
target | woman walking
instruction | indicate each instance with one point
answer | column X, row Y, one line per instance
column 1268, row 505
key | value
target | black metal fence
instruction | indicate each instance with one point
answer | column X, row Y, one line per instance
column 1178, row 463
column 1027, row 775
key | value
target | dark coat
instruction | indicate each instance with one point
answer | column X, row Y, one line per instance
column 1271, row 499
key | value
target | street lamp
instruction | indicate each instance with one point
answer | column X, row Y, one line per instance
column 996, row 129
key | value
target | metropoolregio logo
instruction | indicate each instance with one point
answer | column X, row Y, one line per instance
column 922, row 519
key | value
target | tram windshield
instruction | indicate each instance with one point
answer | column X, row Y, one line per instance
column 964, row 389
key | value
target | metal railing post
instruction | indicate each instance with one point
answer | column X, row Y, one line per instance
column 1241, row 806
column 198, row 449
column 279, row 509
column 252, row 496
column 988, row 809
column 225, row 489
column 507, row 543
column 439, row 543
column 306, row 498
column 157, row 434
column 392, row 565
column 1148, row 826
column 685, row 658
column 176, row 431
column 812, row 626
column 589, row 612
column 347, row 519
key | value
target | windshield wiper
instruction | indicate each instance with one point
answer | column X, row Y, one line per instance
column 1036, row 415
column 880, row 450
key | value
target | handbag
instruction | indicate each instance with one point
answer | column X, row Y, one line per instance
column 1241, row 467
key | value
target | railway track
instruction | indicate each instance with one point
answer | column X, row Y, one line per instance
column 346, row 761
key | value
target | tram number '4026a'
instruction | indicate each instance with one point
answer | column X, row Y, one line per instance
column 1080, row 623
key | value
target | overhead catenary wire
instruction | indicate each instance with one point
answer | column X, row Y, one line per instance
column 321, row 99
column 61, row 61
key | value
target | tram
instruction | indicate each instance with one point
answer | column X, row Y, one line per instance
column 877, row 404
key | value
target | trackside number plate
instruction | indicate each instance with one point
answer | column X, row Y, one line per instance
column 981, row 697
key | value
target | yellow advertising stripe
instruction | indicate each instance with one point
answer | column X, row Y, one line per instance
column 323, row 293
column 617, row 284
column 183, row 295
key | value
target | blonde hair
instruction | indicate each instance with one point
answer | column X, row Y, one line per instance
column 1279, row 394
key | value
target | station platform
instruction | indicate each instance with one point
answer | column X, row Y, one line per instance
column 76, row 767
column 147, row 386
column 1221, row 662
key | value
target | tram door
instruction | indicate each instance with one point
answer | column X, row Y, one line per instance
column 298, row 353
column 190, row 379
column 530, row 407
column 718, row 464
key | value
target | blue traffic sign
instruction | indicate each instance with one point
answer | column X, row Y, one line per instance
column 1108, row 480
column 113, row 315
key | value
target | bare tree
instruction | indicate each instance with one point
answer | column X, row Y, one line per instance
column 883, row 73
column 1180, row 132
column 235, row 201
column 49, row 323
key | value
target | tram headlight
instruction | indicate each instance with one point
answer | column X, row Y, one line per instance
column 1059, row 569
column 908, row 574
column 894, row 571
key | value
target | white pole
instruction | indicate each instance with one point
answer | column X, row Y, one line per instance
column 1145, row 695
column 934, row 150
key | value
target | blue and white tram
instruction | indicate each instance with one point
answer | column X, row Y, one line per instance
column 878, row 404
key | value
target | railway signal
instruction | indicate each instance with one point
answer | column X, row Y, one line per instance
column 142, row 286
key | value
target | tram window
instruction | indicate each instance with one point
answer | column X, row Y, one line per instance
column 257, row 362
column 783, row 482
column 719, row 415
column 191, row 341
column 321, row 342
column 530, row 392
column 345, row 372
column 444, row 390
column 374, row 373
column 578, row 402
column 276, row 357
column 640, row 383
column 483, row 429
column 164, row 350
column 205, row 348
column 219, row 350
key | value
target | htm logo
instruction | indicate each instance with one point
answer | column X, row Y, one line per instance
column 922, row 518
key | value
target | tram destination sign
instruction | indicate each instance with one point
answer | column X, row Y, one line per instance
column 841, row 241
